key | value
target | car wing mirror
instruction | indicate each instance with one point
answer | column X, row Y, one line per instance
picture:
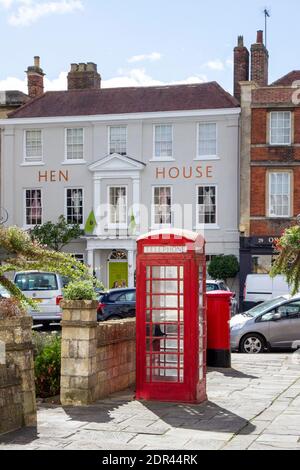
column 277, row 317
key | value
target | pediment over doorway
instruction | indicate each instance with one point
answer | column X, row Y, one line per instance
column 116, row 162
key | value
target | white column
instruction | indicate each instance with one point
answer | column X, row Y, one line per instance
column 90, row 260
column 98, row 264
column 136, row 202
column 97, row 204
column 131, row 268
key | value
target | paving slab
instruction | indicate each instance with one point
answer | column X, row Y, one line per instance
column 254, row 405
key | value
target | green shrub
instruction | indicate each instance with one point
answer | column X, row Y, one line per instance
column 80, row 290
column 47, row 365
column 223, row 267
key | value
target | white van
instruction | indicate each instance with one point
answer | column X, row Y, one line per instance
column 261, row 287
column 47, row 290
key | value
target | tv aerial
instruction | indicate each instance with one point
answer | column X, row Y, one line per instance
column 267, row 14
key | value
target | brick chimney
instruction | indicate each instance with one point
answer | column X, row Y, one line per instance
column 84, row 76
column 241, row 66
column 260, row 61
column 35, row 79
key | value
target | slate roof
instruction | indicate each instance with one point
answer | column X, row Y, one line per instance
column 127, row 100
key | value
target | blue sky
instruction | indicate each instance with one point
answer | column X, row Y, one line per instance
column 141, row 42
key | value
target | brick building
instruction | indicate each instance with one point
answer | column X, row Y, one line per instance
column 269, row 156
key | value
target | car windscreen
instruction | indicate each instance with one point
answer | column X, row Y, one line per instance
column 36, row 282
column 265, row 306
column 210, row 287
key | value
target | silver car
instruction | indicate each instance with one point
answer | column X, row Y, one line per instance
column 272, row 324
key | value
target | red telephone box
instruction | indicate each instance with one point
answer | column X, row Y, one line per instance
column 171, row 317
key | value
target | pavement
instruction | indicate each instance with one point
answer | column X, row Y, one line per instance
column 255, row 405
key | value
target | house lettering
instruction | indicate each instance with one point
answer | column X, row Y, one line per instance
column 53, row 176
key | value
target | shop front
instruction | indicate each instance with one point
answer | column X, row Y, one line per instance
column 257, row 255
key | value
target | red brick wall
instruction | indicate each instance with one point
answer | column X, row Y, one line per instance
column 273, row 95
column 259, row 126
column 258, row 192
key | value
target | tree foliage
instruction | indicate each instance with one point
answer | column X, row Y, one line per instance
column 288, row 261
column 223, row 267
column 56, row 236
column 20, row 253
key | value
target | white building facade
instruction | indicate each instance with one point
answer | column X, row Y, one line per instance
column 138, row 159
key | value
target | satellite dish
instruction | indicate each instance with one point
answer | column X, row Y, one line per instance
column 3, row 215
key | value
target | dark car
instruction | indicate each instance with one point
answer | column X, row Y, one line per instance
column 116, row 304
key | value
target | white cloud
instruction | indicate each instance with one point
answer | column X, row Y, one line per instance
column 26, row 12
column 214, row 65
column 134, row 78
column 141, row 58
column 218, row 65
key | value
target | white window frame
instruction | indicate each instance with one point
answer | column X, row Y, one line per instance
column 212, row 226
column 153, row 224
column 27, row 160
column 74, row 161
column 270, row 129
column 206, row 157
column 66, row 200
column 160, row 158
column 30, row 226
column 118, row 225
column 109, row 129
column 274, row 216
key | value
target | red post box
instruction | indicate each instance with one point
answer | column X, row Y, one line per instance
column 171, row 317
column 218, row 329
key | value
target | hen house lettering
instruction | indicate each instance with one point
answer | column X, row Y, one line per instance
column 186, row 172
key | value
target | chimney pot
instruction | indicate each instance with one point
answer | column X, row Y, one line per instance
column 84, row 77
column 240, row 41
column 260, row 37
column 37, row 61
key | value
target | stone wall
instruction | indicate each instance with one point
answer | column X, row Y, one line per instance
column 18, row 384
column 11, row 412
column 97, row 358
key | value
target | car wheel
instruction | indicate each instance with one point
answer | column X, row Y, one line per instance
column 253, row 344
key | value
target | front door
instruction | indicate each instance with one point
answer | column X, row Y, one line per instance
column 118, row 275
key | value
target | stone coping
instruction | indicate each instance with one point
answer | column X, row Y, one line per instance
column 78, row 324
column 79, row 304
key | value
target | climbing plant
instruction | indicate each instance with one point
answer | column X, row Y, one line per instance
column 18, row 252
column 288, row 260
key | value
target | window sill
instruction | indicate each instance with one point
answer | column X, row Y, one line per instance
column 32, row 164
column 279, row 217
column 161, row 227
column 117, row 227
column 162, row 159
column 74, row 162
column 280, row 145
column 207, row 227
column 204, row 158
